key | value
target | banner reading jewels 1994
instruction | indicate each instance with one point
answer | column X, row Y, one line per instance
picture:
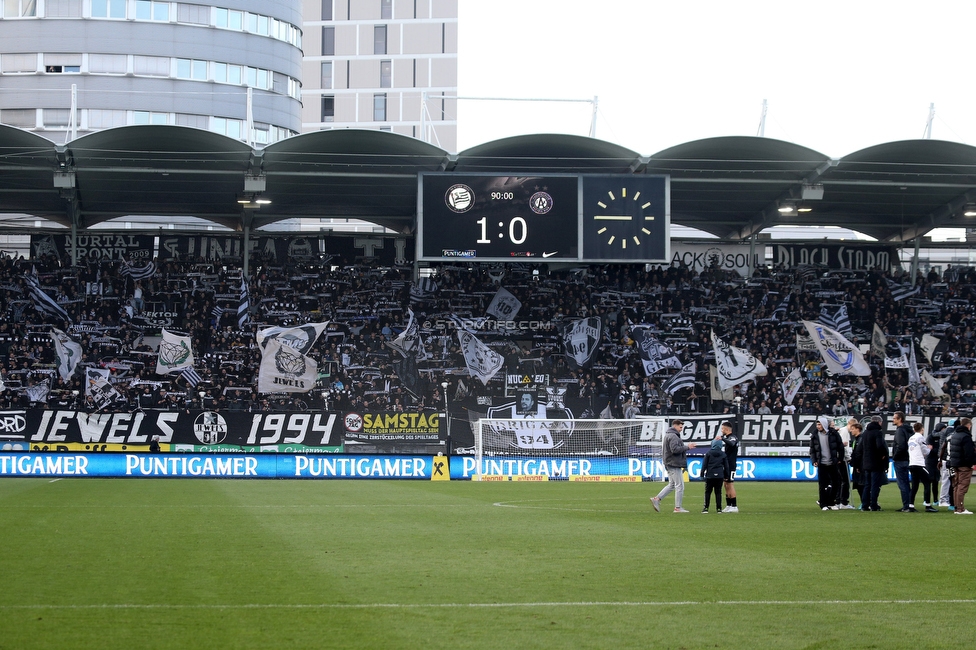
column 183, row 431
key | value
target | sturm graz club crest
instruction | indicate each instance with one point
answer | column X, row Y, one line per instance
column 459, row 198
column 210, row 428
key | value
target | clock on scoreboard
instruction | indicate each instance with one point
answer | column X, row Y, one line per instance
column 498, row 217
column 542, row 217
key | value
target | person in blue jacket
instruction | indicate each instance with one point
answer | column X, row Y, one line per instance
column 715, row 467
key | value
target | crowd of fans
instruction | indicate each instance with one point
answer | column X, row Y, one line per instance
column 118, row 320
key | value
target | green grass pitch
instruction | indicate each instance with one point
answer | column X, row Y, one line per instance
column 400, row 564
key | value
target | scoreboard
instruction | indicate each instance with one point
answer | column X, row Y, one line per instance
column 543, row 217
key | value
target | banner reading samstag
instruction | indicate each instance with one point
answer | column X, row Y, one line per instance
column 392, row 429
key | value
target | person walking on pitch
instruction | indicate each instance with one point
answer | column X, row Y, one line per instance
column 675, row 457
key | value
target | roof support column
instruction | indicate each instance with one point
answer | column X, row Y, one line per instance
column 915, row 260
column 752, row 254
column 246, row 248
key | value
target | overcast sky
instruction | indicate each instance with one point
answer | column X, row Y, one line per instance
column 838, row 76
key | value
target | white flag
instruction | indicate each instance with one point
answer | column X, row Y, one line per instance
column 504, row 306
column 896, row 363
column 928, row 345
column 878, row 342
column 791, row 385
column 717, row 392
column 300, row 338
column 483, row 362
column 839, row 355
column 935, row 386
column 735, row 365
column 69, row 353
column 284, row 369
column 175, row 353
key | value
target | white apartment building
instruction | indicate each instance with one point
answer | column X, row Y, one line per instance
column 382, row 64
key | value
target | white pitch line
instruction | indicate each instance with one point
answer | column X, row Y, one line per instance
column 661, row 603
column 155, row 506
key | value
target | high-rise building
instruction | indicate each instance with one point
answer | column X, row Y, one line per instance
column 233, row 67
column 255, row 70
column 382, row 64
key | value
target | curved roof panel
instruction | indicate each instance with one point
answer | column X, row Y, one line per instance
column 548, row 152
column 728, row 186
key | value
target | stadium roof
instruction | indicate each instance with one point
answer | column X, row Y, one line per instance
column 731, row 187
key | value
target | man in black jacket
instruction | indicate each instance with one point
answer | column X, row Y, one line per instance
column 962, row 457
column 826, row 454
column 899, row 456
column 932, row 463
column 874, row 462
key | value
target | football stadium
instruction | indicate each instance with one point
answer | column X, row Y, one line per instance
column 516, row 410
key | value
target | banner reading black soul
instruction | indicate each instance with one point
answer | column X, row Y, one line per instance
column 137, row 249
column 63, row 430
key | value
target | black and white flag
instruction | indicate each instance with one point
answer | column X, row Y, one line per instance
column 191, row 376
column 409, row 342
column 244, row 307
column 406, row 370
column 581, row 339
column 301, row 338
column 98, row 388
column 934, row 349
column 43, row 302
column 655, row 355
column 482, row 362
column 901, row 291
column 39, row 392
column 68, row 352
column 838, row 321
column 421, row 290
column 138, row 272
column 684, row 378
column 783, row 308
column 735, row 365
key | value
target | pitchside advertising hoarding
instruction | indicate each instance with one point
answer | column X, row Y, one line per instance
column 348, row 466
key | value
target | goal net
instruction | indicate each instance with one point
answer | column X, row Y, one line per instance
column 544, row 438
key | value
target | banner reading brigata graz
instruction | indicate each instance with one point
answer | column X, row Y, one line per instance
column 137, row 249
column 184, row 431
column 784, row 430
column 392, row 429
column 855, row 257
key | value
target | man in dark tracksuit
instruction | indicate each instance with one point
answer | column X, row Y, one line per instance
column 899, row 456
column 874, row 462
column 826, row 454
